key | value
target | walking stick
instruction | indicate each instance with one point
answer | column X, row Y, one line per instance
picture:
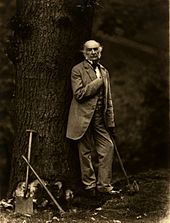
column 134, row 187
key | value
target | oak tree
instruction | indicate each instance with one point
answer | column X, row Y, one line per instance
column 46, row 42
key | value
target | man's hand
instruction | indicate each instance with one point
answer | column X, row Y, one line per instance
column 112, row 132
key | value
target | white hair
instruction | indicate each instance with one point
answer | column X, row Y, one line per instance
column 100, row 48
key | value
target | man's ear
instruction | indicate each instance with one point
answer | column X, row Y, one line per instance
column 100, row 48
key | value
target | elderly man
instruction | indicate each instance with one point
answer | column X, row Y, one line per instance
column 91, row 115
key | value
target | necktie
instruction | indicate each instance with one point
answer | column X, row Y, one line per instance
column 97, row 70
column 94, row 65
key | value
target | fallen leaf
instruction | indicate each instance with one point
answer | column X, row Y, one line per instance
column 103, row 217
column 74, row 210
column 116, row 221
column 5, row 204
column 27, row 215
column 98, row 209
column 55, row 218
column 139, row 217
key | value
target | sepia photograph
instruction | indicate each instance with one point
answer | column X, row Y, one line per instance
column 84, row 111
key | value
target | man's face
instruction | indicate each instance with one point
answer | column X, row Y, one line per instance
column 92, row 51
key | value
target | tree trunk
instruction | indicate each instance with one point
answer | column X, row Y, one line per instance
column 48, row 35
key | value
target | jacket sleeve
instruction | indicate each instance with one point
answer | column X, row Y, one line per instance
column 81, row 92
column 110, row 111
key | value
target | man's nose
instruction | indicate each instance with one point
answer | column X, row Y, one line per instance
column 93, row 51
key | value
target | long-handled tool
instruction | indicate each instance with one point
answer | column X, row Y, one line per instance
column 134, row 187
column 42, row 183
column 24, row 205
column 29, row 157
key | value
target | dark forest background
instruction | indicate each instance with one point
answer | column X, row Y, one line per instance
column 135, row 38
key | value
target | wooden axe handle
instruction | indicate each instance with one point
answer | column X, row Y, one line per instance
column 42, row 183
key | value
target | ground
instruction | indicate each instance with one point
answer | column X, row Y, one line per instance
column 149, row 205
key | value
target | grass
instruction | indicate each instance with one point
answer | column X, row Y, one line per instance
column 150, row 205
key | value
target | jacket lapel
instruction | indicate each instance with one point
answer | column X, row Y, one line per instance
column 103, row 73
column 89, row 70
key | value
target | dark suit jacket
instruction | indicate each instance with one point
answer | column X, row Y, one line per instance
column 85, row 85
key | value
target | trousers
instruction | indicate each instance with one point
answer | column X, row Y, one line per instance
column 98, row 139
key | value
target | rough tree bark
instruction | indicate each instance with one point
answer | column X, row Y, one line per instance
column 48, row 35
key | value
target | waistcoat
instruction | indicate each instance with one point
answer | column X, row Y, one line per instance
column 100, row 101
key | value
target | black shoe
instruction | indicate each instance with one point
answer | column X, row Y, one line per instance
column 113, row 192
column 110, row 192
column 91, row 192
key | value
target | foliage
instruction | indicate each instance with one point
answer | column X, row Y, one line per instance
column 144, row 21
column 139, row 79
